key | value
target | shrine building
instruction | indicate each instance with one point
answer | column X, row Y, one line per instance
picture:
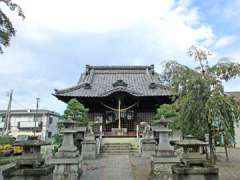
column 118, row 97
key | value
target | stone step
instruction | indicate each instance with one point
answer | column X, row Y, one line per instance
column 116, row 144
column 120, row 140
column 119, row 151
column 117, row 154
column 118, row 148
column 115, row 148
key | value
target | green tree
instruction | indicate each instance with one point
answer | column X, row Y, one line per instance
column 7, row 31
column 203, row 106
column 166, row 110
column 169, row 111
column 77, row 112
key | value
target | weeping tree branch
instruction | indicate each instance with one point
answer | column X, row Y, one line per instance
column 200, row 94
column 7, row 30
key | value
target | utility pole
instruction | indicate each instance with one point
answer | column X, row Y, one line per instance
column 35, row 115
column 7, row 119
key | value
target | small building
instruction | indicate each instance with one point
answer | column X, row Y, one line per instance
column 118, row 97
column 236, row 95
column 22, row 122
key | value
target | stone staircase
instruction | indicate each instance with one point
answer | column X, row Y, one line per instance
column 119, row 147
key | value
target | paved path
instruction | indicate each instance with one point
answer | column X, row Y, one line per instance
column 115, row 167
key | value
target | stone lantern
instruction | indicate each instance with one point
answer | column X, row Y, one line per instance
column 193, row 164
column 164, row 157
column 67, row 159
column 31, row 164
column 192, row 151
column 31, row 152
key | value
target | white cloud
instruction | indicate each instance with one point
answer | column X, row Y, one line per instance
column 91, row 15
column 169, row 26
column 225, row 41
column 170, row 19
column 172, row 26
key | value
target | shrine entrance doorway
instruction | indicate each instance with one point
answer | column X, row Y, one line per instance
column 120, row 116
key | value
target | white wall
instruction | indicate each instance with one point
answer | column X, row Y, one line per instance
column 46, row 127
column 237, row 134
column 51, row 127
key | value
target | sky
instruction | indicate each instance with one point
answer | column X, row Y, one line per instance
column 58, row 38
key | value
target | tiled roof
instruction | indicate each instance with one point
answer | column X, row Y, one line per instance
column 100, row 81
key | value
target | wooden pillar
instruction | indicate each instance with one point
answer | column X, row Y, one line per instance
column 119, row 113
column 137, row 129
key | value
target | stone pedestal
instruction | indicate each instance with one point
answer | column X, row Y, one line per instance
column 38, row 173
column 148, row 146
column 195, row 173
column 89, row 149
column 161, row 166
column 67, row 168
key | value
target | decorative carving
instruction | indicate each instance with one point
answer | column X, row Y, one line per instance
column 147, row 132
column 152, row 85
column 87, row 86
column 120, row 83
column 90, row 129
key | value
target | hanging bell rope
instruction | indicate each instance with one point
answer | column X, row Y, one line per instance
column 122, row 110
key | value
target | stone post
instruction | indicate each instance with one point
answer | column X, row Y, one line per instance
column 148, row 143
column 89, row 147
column 101, row 132
column 67, row 159
column 78, row 137
column 137, row 130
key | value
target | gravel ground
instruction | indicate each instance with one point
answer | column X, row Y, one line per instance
column 227, row 170
column 124, row 167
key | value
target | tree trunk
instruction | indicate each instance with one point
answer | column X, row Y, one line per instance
column 211, row 156
column 225, row 146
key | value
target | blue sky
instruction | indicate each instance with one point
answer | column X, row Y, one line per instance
column 58, row 38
